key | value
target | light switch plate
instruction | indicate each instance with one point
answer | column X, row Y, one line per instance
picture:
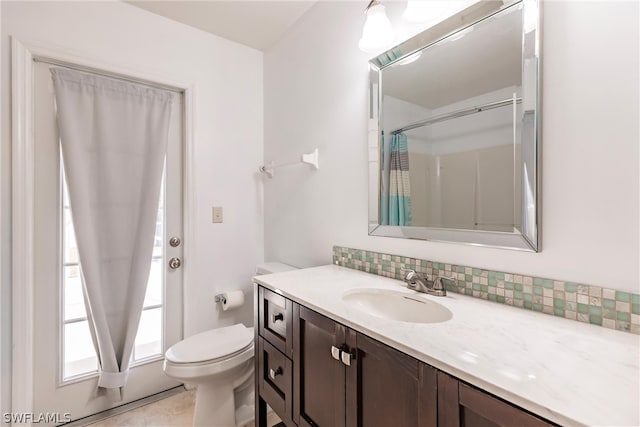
column 217, row 214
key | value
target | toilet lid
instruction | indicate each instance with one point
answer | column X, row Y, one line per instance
column 209, row 345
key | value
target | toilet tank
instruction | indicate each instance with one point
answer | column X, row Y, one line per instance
column 273, row 267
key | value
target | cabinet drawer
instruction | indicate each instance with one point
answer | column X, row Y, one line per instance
column 275, row 319
column 275, row 380
column 477, row 407
column 463, row 405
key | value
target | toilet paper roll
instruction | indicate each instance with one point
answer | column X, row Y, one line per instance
column 232, row 299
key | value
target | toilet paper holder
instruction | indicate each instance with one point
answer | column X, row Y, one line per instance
column 230, row 300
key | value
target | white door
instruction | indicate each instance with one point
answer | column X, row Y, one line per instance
column 65, row 362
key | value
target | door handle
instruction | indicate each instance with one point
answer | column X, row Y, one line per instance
column 346, row 358
column 335, row 352
column 174, row 263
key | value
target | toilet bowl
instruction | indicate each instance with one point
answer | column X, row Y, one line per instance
column 220, row 362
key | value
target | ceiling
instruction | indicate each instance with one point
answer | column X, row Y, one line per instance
column 469, row 64
column 258, row 24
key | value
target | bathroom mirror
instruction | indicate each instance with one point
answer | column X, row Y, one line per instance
column 454, row 131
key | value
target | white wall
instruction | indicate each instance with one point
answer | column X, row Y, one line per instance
column 316, row 95
column 228, row 132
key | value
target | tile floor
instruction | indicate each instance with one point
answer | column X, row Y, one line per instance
column 173, row 411
column 176, row 410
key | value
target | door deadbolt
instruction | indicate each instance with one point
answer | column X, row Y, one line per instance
column 175, row 263
column 174, row 242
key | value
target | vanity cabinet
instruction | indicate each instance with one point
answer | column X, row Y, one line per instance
column 324, row 374
column 344, row 378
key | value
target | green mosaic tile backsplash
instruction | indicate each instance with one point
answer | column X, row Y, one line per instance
column 590, row 304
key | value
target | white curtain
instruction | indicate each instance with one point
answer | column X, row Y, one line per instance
column 114, row 138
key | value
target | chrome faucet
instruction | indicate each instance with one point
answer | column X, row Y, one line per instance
column 432, row 287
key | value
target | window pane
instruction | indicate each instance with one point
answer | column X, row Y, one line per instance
column 73, row 299
column 79, row 354
column 154, row 285
column 65, row 192
column 158, row 245
column 70, row 247
column 149, row 338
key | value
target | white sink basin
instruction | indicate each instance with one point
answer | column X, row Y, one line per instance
column 397, row 306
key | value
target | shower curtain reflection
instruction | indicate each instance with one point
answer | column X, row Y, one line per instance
column 399, row 183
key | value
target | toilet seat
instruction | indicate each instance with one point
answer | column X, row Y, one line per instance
column 210, row 353
column 211, row 346
column 195, row 372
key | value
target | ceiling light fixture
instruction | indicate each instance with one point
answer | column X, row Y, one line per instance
column 377, row 33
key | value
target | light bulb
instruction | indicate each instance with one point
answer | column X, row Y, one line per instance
column 377, row 33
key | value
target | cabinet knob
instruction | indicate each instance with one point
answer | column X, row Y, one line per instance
column 335, row 352
column 273, row 374
column 276, row 317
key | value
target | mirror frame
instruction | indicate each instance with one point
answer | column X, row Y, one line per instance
column 527, row 240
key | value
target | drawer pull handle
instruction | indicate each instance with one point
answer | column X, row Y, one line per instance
column 335, row 352
column 273, row 374
column 346, row 358
column 276, row 317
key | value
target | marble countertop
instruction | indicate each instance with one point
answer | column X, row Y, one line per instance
column 568, row 372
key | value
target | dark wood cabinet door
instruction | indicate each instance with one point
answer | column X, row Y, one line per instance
column 319, row 394
column 388, row 388
column 462, row 405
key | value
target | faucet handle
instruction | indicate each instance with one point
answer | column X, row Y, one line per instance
column 410, row 278
column 410, row 275
column 438, row 285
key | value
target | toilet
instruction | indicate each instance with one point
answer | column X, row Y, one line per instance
column 220, row 362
